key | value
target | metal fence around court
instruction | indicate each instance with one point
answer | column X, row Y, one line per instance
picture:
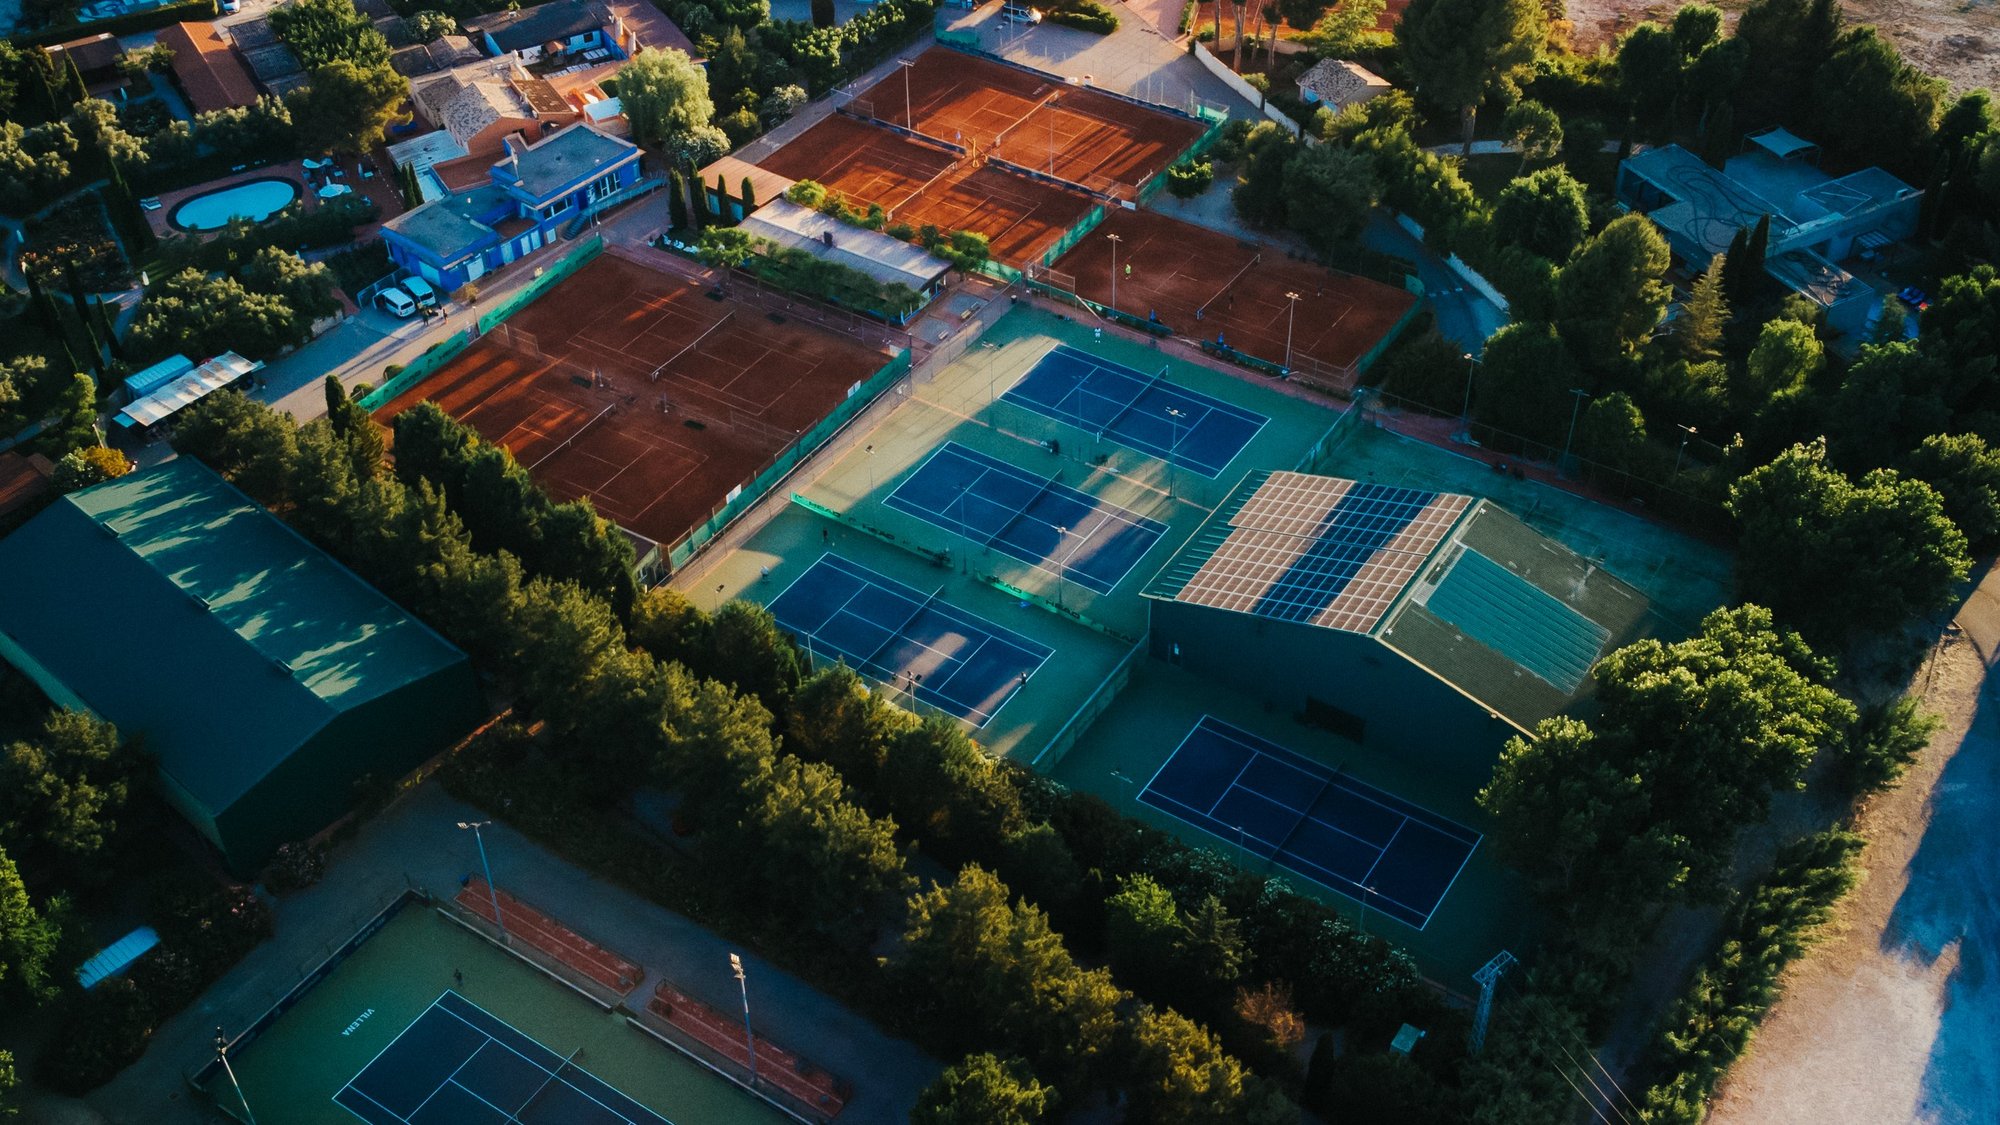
column 746, row 495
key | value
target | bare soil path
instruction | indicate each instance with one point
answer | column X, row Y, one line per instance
column 1957, row 40
column 1894, row 1016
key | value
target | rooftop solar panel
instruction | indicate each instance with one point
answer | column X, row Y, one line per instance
column 1331, row 552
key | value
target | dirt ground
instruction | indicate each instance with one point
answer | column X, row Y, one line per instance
column 1957, row 40
column 1892, row 1018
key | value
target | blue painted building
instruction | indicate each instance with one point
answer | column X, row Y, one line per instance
column 530, row 195
column 569, row 26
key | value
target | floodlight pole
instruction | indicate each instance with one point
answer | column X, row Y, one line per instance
column 1062, row 567
column 222, row 1056
column 992, row 351
column 492, row 894
column 1115, row 240
column 1574, row 410
column 909, row 119
column 1175, row 414
column 1290, row 317
column 1125, row 786
column 1488, row 977
column 1686, row 433
column 1366, row 894
column 1465, row 412
column 749, row 1039
column 870, row 451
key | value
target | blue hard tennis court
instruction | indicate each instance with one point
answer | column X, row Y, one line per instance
column 1138, row 410
column 908, row 638
column 1344, row 834
column 459, row 1064
column 1038, row 520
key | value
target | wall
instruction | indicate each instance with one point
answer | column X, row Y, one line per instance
column 1406, row 708
column 1244, row 89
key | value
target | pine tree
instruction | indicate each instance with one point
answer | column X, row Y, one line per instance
column 749, row 196
column 677, row 208
column 1760, row 245
column 74, row 91
column 1735, row 281
column 106, row 327
column 1706, row 313
column 697, row 203
column 81, row 303
column 721, row 198
column 45, row 310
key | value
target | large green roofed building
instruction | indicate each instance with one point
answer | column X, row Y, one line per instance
column 1399, row 617
column 265, row 677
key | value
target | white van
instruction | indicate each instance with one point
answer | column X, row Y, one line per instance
column 396, row 301
column 419, row 289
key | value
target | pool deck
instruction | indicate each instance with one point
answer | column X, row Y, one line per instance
column 381, row 189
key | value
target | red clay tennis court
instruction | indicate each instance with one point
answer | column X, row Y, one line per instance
column 865, row 163
column 1021, row 218
column 1177, row 268
column 1038, row 121
column 638, row 389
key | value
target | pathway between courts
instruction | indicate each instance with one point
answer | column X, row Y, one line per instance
column 418, row 839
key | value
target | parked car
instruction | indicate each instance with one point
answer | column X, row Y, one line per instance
column 394, row 300
column 425, row 296
column 1914, row 297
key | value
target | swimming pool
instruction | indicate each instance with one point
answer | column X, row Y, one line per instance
column 255, row 200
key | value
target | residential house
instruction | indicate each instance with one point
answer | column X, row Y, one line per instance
column 529, row 196
column 1817, row 220
column 1337, row 84
column 95, row 56
column 547, row 32
column 207, row 69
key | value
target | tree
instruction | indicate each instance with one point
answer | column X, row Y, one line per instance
column 306, row 288
column 1965, row 470
column 677, row 209
column 1462, row 51
column 1329, row 191
column 822, row 13
column 1834, row 555
column 983, row 1089
column 1338, row 28
column 251, row 445
column 191, row 313
column 1873, row 106
column 62, row 792
column 1259, row 196
column 1534, row 129
column 1180, row 1073
column 808, row 849
column 1612, row 430
column 665, row 96
column 1786, row 354
column 1545, row 213
column 1141, row 928
column 430, row 25
column 321, row 32
column 1705, row 315
column 348, row 108
column 1611, row 296
column 725, row 248
column 87, row 465
column 1525, row 376
column 749, row 196
column 1649, row 74
column 75, row 415
column 780, row 104
column 983, row 970
column 1786, row 42
column 28, row 940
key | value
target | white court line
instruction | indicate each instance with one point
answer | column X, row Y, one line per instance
column 553, row 1074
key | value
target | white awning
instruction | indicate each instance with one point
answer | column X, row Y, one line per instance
column 224, row 370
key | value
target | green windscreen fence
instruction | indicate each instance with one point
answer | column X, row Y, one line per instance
column 746, row 496
column 424, row 367
column 1074, row 235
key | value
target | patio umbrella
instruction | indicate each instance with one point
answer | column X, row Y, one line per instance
column 332, row 191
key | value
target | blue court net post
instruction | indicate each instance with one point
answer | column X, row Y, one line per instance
column 749, row 1039
column 492, row 893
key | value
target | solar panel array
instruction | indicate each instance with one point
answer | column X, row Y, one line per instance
column 1323, row 550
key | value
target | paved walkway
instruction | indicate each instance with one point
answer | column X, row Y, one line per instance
column 416, row 840
column 1137, row 60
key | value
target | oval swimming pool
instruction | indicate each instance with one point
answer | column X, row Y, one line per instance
column 255, row 200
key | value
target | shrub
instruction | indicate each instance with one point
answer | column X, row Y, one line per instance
column 1085, row 15
column 1882, row 745
column 297, row 865
column 1190, row 178
column 104, row 1031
